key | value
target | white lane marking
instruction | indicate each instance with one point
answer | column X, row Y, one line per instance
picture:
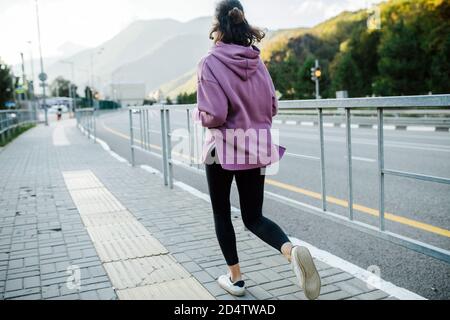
column 421, row 129
column 291, row 123
column 307, row 123
column 324, row 256
column 302, row 156
column 59, row 136
column 328, row 125
column 363, row 159
column 278, row 121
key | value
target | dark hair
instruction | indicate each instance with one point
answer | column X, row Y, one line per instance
column 231, row 26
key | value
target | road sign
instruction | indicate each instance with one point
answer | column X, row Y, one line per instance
column 43, row 76
column 43, row 84
column 20, row 90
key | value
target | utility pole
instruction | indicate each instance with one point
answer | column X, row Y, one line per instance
column 316, row 74
column 31, row 63
column 24, row 77
column 42, row 75
column 93, row 53
column 73, row 95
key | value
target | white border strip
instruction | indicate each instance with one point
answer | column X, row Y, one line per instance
column 368, row 277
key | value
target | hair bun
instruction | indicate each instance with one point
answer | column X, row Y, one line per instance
column 236, row 15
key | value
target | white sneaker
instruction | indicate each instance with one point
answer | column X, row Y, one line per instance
column 306, row 272
column 236, row 289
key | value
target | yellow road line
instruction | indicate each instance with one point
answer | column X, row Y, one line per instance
column 389, row 216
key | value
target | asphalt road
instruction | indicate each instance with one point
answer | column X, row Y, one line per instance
column 417, row 209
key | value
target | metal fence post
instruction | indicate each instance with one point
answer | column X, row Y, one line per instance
column 322, row 160
column 190, row 137
column 348, row 130
column 381, row 167
column 94, row 124
column 132, row 138
column 164, row 146
column 146, row 129
column 141, row 128
column 169, row 149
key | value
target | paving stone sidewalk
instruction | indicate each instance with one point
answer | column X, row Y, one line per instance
column 42, row 232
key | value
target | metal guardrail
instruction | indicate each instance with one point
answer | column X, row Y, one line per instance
column 347, row 105
column 86, row 121
column 443, row 123
column 11, row 119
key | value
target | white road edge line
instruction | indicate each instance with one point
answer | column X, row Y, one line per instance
column 324, row 256
column 106, row 147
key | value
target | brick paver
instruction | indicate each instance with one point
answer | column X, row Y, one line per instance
column 42, row 233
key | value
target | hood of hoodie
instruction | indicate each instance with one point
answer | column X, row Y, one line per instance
column 243, row 61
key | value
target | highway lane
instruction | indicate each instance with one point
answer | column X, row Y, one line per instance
column 304, row 173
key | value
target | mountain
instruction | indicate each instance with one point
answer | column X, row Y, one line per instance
column 138, row 52
column 173, row 58
column 68, row 49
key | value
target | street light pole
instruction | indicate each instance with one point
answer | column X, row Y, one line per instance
column 317, row 80
column 24, row 77
column 72, row 94
column 100, row 51
column 31, row 63
column 42, row 76
column 316, row 74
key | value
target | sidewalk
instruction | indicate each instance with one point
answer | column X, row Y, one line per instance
column 66, row 203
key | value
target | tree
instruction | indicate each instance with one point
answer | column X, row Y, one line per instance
column 356, row 65
column 60, row 87
column 402, row 65
column 187, row 98
column 6, row 85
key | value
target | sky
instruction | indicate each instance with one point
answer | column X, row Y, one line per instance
column 88, row 23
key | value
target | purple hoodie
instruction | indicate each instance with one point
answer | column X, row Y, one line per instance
column 236, row 102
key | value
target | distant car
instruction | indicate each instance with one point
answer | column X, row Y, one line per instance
column 54, row 108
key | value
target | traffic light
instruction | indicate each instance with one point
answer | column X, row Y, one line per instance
column 316, row 73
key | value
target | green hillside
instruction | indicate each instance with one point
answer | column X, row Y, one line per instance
column 409, row 54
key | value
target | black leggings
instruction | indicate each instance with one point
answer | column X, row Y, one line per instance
column 250, row 184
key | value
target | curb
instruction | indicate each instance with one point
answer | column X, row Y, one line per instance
column 364, row 126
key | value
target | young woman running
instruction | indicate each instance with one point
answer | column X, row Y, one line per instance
column 236, row 102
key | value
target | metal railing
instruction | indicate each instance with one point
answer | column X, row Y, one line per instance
column 86, row 121
column 145, row 122
column 10, row 120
